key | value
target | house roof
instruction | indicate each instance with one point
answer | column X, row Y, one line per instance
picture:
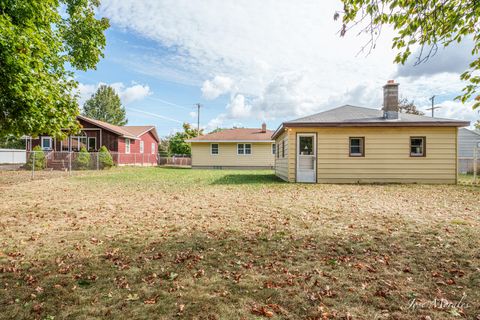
column 236, row 135
column 131, row 132
column 352, row 116
column 468, row 131
column 140, row 130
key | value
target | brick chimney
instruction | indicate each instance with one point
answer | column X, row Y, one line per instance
column 264, row 127
column 390, row 100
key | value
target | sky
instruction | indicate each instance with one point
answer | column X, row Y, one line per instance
column 247, row 62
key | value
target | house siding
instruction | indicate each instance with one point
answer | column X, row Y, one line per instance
column 282, row 161
column 387, row 155
column 261, row 156
column 135, row 157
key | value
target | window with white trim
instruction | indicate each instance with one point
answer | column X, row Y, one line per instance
column 244, row 148
column 141, row 146
column 357, row 146
column 274, row 148
column 46, row 143
column 214, row 148
column 127, row 145
column 153, row 147
column 92, row 143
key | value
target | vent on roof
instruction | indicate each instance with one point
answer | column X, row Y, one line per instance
column 390, row 100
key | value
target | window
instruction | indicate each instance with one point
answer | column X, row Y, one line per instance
column 417, row 146
column 274, row 148
column 357, row 147
column 283, row 148
column 214, row 148
column 141, row 147
column 127, row 145
column 78, row 142
column 244, row 148
column 153, row 147
column 305, row 145
column 92, row 143
column 46, row 143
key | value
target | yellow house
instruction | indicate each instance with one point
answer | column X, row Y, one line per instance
column 240, row 148
column 361, row 145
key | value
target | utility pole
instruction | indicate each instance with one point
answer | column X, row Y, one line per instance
column 198, row 105
column 433, row 106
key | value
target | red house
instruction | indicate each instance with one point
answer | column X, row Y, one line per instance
column 127, row 144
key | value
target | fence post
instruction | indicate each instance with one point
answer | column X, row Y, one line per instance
column 98, row 162
column 70, row 163
column 33, row 165
column 475, row 151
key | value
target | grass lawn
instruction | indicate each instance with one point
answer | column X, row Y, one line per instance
column 158, row 243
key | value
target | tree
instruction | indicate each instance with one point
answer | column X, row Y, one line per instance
column 105, row 105
column 41, row 44
column 406, row 106
column 82, row 162
column 105, row 158
column 36, row 159
column 164, row 147
column 177, row 144
column 424, row 23
column 12, row 142
column 477, row 125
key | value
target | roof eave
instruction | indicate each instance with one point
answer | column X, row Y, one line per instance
column 284, row 125
column 226, row 141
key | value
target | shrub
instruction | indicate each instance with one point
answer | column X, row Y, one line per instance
column 105, row 158
column 82, row 162
column 39, row 159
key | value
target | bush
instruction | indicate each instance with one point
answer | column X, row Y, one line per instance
column 39, row 159
column 82, row 162
column 105, row 158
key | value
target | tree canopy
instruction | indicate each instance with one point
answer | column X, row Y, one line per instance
column 105, row 105
column 177, row 144
column 423, row 23
column 407, row 106
column 41, row 43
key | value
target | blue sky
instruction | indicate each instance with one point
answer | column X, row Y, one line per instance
column 247, row 62
column 166, row 98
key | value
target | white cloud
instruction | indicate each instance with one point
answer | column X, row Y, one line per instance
column 238, row 108
column 278, row 59
column 211, row 89
column 193, row 114
column 457, row 110
column 133, row 93
column 127, row 94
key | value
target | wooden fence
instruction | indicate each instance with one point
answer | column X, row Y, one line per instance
column 175, row 161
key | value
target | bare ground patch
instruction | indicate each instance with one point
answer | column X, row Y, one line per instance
column 166, row 243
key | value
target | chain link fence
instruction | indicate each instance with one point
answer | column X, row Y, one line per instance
column 68, row 161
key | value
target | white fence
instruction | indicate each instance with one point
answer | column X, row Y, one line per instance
column 13, row 156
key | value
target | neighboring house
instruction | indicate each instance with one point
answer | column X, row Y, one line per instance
column 355, row 145
column 128, row 144
column 239, row 148
column 467, row 141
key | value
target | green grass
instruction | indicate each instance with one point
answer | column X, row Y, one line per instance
column 164, row 243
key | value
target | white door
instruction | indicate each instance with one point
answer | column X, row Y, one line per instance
column 306, row 158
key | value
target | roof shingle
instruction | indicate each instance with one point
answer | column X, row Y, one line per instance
column 235, row 135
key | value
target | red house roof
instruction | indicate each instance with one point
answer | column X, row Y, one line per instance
column 131, row 132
